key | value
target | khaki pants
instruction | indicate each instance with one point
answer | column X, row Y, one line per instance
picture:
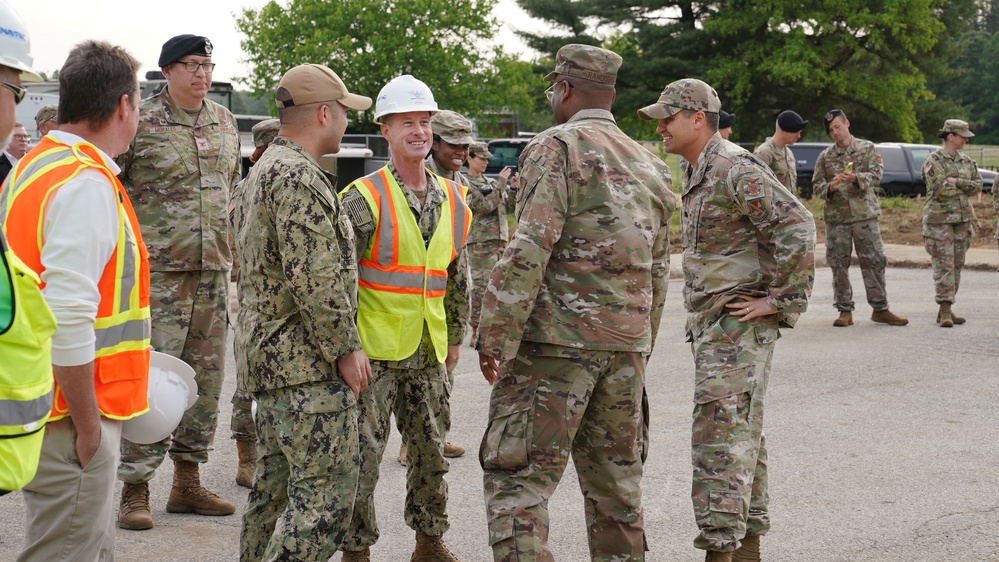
column 70, row 510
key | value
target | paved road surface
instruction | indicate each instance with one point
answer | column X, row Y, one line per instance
column 883, row 446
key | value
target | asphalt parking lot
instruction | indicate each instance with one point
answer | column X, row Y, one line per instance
column 883, row 446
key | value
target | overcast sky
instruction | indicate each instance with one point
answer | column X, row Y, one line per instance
column 142, row 27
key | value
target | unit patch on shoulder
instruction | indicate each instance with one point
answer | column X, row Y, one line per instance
column 754, row 189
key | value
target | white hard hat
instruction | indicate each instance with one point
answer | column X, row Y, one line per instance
column 171, row 391
column 15, row 44
column 404, row 94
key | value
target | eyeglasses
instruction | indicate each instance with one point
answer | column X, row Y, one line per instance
column 550, row 92
column 23, row 137
column 208, row 67
column 19, row 92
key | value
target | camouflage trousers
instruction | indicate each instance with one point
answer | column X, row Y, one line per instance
column 482, row 256
column 730, row 496
column 866, row 237
column 417, row 397
column 306, row 478
column 947, row 245
column 550, row 403
column 189, row 322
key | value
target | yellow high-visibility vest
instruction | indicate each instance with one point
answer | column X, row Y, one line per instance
column 401, row 282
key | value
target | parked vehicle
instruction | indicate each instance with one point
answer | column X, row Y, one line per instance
column 506, row 152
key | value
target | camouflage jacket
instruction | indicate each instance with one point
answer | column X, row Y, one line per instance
column 589, row 261
column 490, row 205
column 179, row 171
column 427, row 216
column 299, row 275
column 456, row 177
column 947, row 202
column 744, row 235
column 781, row 163
column 855, row 201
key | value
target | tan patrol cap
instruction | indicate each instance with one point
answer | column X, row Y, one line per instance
column 265, row 131
column 688, row 93
column 586, row 62
column 958, row 127
column 480, row 149
column 313, row 83
column 46, row 113
column 453, row 127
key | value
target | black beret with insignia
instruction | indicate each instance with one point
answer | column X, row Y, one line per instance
column 183, row 45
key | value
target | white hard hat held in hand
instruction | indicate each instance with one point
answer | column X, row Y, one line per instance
column 171, row 391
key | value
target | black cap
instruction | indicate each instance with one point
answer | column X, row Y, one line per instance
column 725, row 119
column 183, row 45
column 828, row 118
column 790, row 121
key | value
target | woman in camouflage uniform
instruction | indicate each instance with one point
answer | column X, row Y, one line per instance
column 951, row 179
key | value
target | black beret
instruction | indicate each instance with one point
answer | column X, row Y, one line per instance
column 827, row 119
column 725, row 119
column 183, row 45
column 790, row 121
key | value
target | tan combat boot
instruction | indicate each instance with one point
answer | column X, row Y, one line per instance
column 247, row 462
column 887, row 317
column 431, row 549
column 944, row 317
column 845, row 319
column 402, row 454
column 957, row 319
column 357, row 555
column 134, row 513
column 749, row 549
column 451, row 450
column 715, row 556
column 189, row 496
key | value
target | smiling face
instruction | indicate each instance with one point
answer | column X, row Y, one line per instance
column 409, row 134
column 450, row 156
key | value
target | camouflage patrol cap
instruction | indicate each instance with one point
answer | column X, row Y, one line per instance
column 183, row 45
column 46, row 113
column 956, row 126
column 265, row 131
column 586, row 62
column 688, row 93
column 480, row 150
column 453, row 127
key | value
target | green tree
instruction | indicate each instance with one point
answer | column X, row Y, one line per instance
column 369, row 43
column 975, row 86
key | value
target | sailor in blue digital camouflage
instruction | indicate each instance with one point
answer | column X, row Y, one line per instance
column 491, row 202
column 179, row 172
column 774, row 151
column 847, row 176
column 410, row 228
column 951, row 178
column 297, row 345
column 569, row 319
column 241, row 420
column 748, row 266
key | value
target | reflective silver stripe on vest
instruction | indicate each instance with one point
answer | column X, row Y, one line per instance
column 460, row 215
column 401, row 280
column 22, row 412
column 132, row 330
column 127, row 274
column 386, row 221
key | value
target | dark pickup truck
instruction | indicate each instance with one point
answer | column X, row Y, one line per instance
column 903, row 174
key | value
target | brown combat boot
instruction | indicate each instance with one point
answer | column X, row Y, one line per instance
column 944, row 317
column 357, row 555
column 189, row 496
column 957, row 319
column 431, row 549
column 247, row 451
column 749, row 549
column 402, row 454
column 452, row 451
column 134, row 513
column 715, row 556
column 887, row 317
column 845, row 319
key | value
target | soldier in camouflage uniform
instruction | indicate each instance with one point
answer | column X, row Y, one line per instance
column 948, row 219
column 297, row 344
column 179, row 172
column 569, row 319
column 774, row 151
column 241, row 420
column 412, row 385
column 847, row 175
column 490, row 202
column 748, row 265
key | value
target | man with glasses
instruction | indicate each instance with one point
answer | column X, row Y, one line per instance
column 16, row 149
column 569, row 319
column 179, row 172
